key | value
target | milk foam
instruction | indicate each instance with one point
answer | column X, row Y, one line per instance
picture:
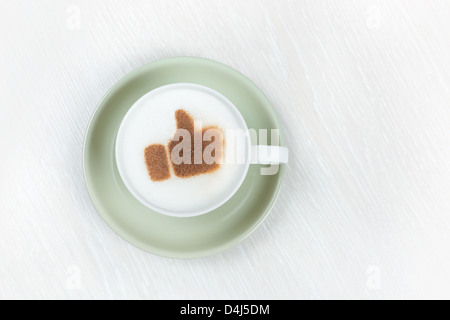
column 152, row 120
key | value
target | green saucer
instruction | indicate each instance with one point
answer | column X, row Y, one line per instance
column 168, row 236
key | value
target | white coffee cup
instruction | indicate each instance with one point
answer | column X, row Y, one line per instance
column 151, row 194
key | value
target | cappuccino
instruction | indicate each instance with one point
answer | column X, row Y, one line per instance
column 158, row 158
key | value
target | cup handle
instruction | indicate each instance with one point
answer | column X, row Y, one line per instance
column 269, row 155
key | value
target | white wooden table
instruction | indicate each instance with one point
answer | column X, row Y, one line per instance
column 361, row 88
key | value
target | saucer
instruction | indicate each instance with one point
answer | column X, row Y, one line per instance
column 173, row 237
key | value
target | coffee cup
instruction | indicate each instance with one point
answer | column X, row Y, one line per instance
column 184, row 150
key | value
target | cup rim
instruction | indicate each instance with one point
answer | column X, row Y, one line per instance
column 192, row 213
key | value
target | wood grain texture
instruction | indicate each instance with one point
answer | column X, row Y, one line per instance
column 361, row 89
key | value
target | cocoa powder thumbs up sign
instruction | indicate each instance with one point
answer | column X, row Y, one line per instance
column 189, row 153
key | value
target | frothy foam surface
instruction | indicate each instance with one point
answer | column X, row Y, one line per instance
column 151, row 121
